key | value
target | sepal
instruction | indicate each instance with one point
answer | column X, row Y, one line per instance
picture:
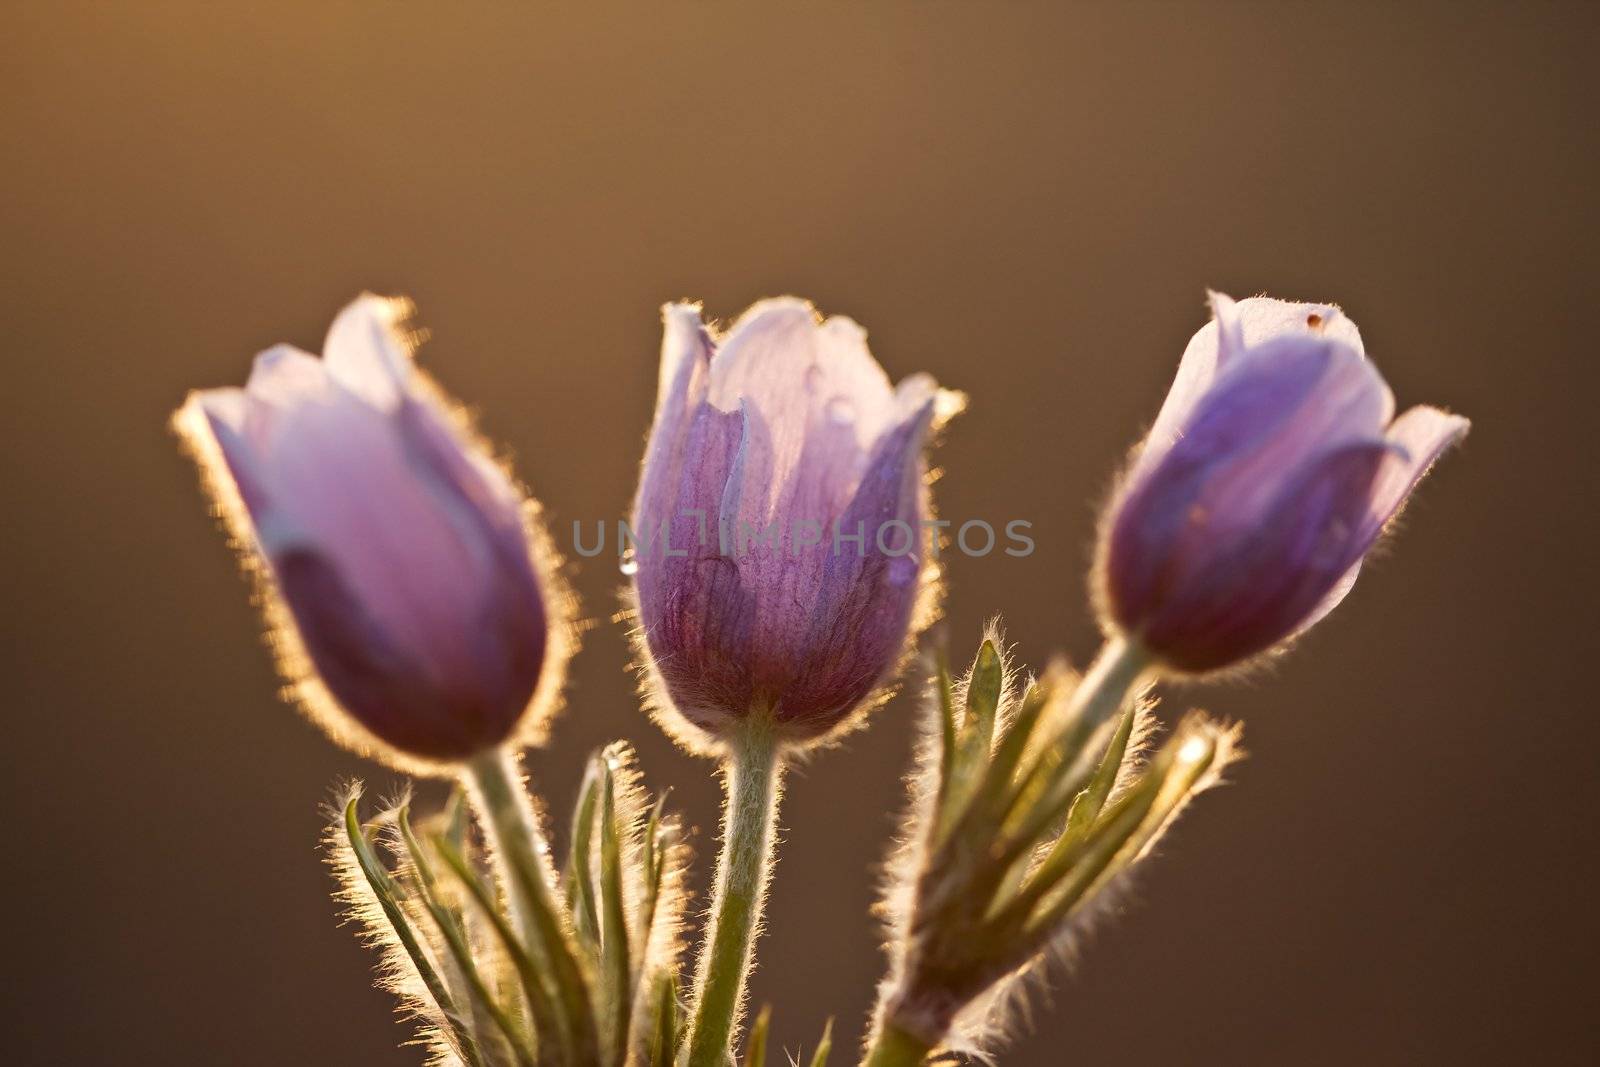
column 1033, row 800
column 520, row 970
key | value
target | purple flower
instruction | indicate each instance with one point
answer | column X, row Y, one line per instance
column 780, row 518
column 1269, row 474
column 409, row 607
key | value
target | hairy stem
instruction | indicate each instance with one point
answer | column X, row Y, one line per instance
column 1117, row 670
column 751, row 779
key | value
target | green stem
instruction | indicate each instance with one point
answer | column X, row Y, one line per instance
column 506, row 815
column 752, row 775
column 1117, row 670
column 1120, row 669
column 894, row 1047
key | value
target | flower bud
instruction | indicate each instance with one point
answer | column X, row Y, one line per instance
column 1267, row 477
column 408, row 607
column 780, row 516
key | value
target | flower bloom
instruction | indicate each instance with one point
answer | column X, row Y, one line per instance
column 410, row 609
column 1268, row 475
column 780, row 520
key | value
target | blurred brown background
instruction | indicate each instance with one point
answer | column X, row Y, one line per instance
column 1026, row 199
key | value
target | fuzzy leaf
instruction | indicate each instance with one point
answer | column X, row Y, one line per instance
column 1086, row 808
column 974, row 737
column 756, row 1054
column 386, row 893
column 616, row 967
column 948, row 727
column 579, row 874
column 455, row 819
column 984, row 685
column 1183, row 766
column 654, row 850
column 556, row 953
column 421, row 876
column 548, row 1025
column 665, row 1021
column 819, row 1058
column 483, row 997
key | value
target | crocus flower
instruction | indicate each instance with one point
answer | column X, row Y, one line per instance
column 780, row 518
column 1269, row 474
column 409, row 607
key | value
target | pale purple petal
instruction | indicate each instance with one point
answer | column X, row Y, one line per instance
column 1248, row 323
column 398, row 547
column 1332, row 599
column 365, row 352
column 805, row 379
column 467, row 479
column 793, row 432
column 686, row 351
column 283, row 376
column 1228, row 605
column 1422, row 434
column 1172, row 511
column 225, row 409
column 864, row 598
column 1269, row 475
column 1419, row 436
column 226, row 417
column 1349, row 402
column 695, row 614
column 1229, row 321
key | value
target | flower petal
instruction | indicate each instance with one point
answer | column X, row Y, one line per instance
column 865, row 594
column 366, row 353
column 1243, row 601
column 341, row 474
column 222, row 418
column 1235, row 327
column 1422, row 434
column 1242, row 441
column 378, row 681
column 804, row 378
column 1349, row 402
column 695, row 613
column 686, row 351
column 398, row 547
column 283, row 376
column 1420, row 437
column 762, row 447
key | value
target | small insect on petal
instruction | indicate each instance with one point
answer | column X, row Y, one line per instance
column 1266, row 479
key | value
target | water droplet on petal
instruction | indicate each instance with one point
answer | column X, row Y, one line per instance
column 841, row 411
column 630, row 563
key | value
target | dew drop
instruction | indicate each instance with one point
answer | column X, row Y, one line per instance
column 630, row 563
